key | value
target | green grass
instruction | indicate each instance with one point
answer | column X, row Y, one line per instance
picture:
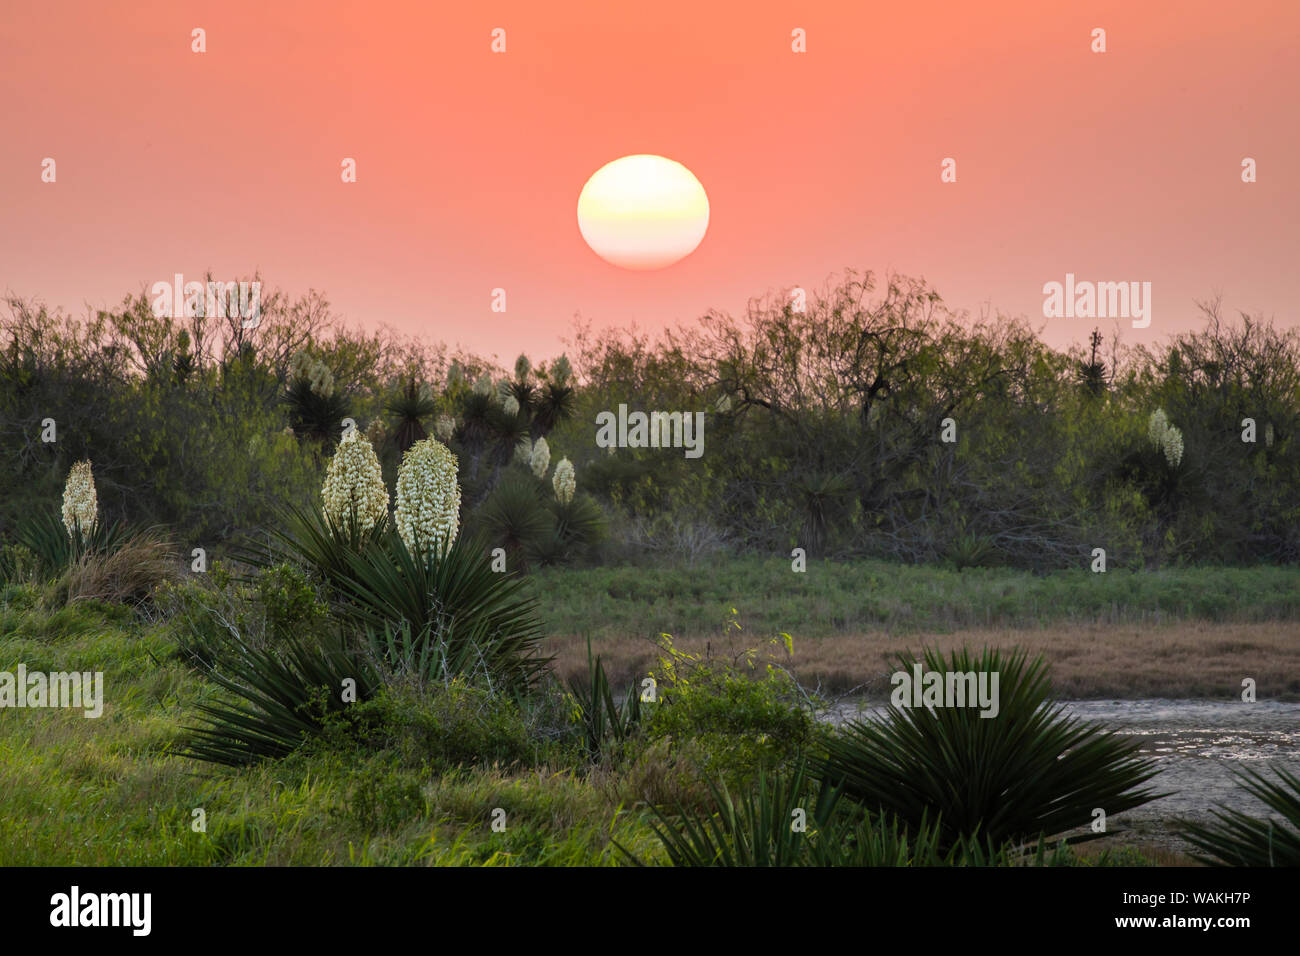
column 115, row 791
column 855, row 597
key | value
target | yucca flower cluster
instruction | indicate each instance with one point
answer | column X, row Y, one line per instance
column 354, row 480
column 445, row 427
column 561, row 370
column 1165, row 437
column 564, row 481
column 484, row 385
column 522, row 367
column 524, row 450
column 80, row 501
column 540, row 460
column 315, row 372
column 511, row 405
column 428, row 497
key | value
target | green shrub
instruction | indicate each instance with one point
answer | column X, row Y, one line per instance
column 291, row 604
column 738, row 722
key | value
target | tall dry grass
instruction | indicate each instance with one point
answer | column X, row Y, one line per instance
column 127, row 575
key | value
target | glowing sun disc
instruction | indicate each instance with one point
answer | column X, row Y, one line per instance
column 643, row 212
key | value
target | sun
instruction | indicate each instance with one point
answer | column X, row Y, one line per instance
column 643, row 212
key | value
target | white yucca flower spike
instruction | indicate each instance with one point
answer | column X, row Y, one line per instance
column 511, row 405
column 1156, row 426
column 1173, row 446
column 454, row 373
column 522, row 367
column 1165, row 437
column 299, row 365
column 524, row 450
column 445, row 427
column 428, row 497
column 484, row 384
column 540, row 460
column 561, row 370
column 565, row 481
column 321, row 379
column 354, row 480
column 80, row 501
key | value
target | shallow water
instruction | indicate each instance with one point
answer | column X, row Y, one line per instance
column 1197, row 745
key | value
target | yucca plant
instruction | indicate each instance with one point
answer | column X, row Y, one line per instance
column 451, row 596
column 553, row 404
column 515, row 516
column 1235, row 838
column 970, row 550
column 760, row 829
column 313, row 414
column 603, row 719
column 282, row 697
column 46, row 537
column 409, row 408
column 579, row 522
column 1027, row 772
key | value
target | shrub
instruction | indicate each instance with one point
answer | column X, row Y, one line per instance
column 739, row 723
column 291, row 604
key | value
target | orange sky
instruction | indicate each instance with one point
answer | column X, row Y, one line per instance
column 1123, row 166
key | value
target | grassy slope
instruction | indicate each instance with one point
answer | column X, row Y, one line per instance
column 112, row 790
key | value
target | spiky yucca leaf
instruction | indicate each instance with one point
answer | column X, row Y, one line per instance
column 1239, row 839
column 760, row 829
column 603, row 719
column 45, row 536
column 452, row 596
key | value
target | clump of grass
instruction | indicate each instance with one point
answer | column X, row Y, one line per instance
column 127, row 574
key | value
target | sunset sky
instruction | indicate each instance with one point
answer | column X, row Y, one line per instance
column 1121, row 166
